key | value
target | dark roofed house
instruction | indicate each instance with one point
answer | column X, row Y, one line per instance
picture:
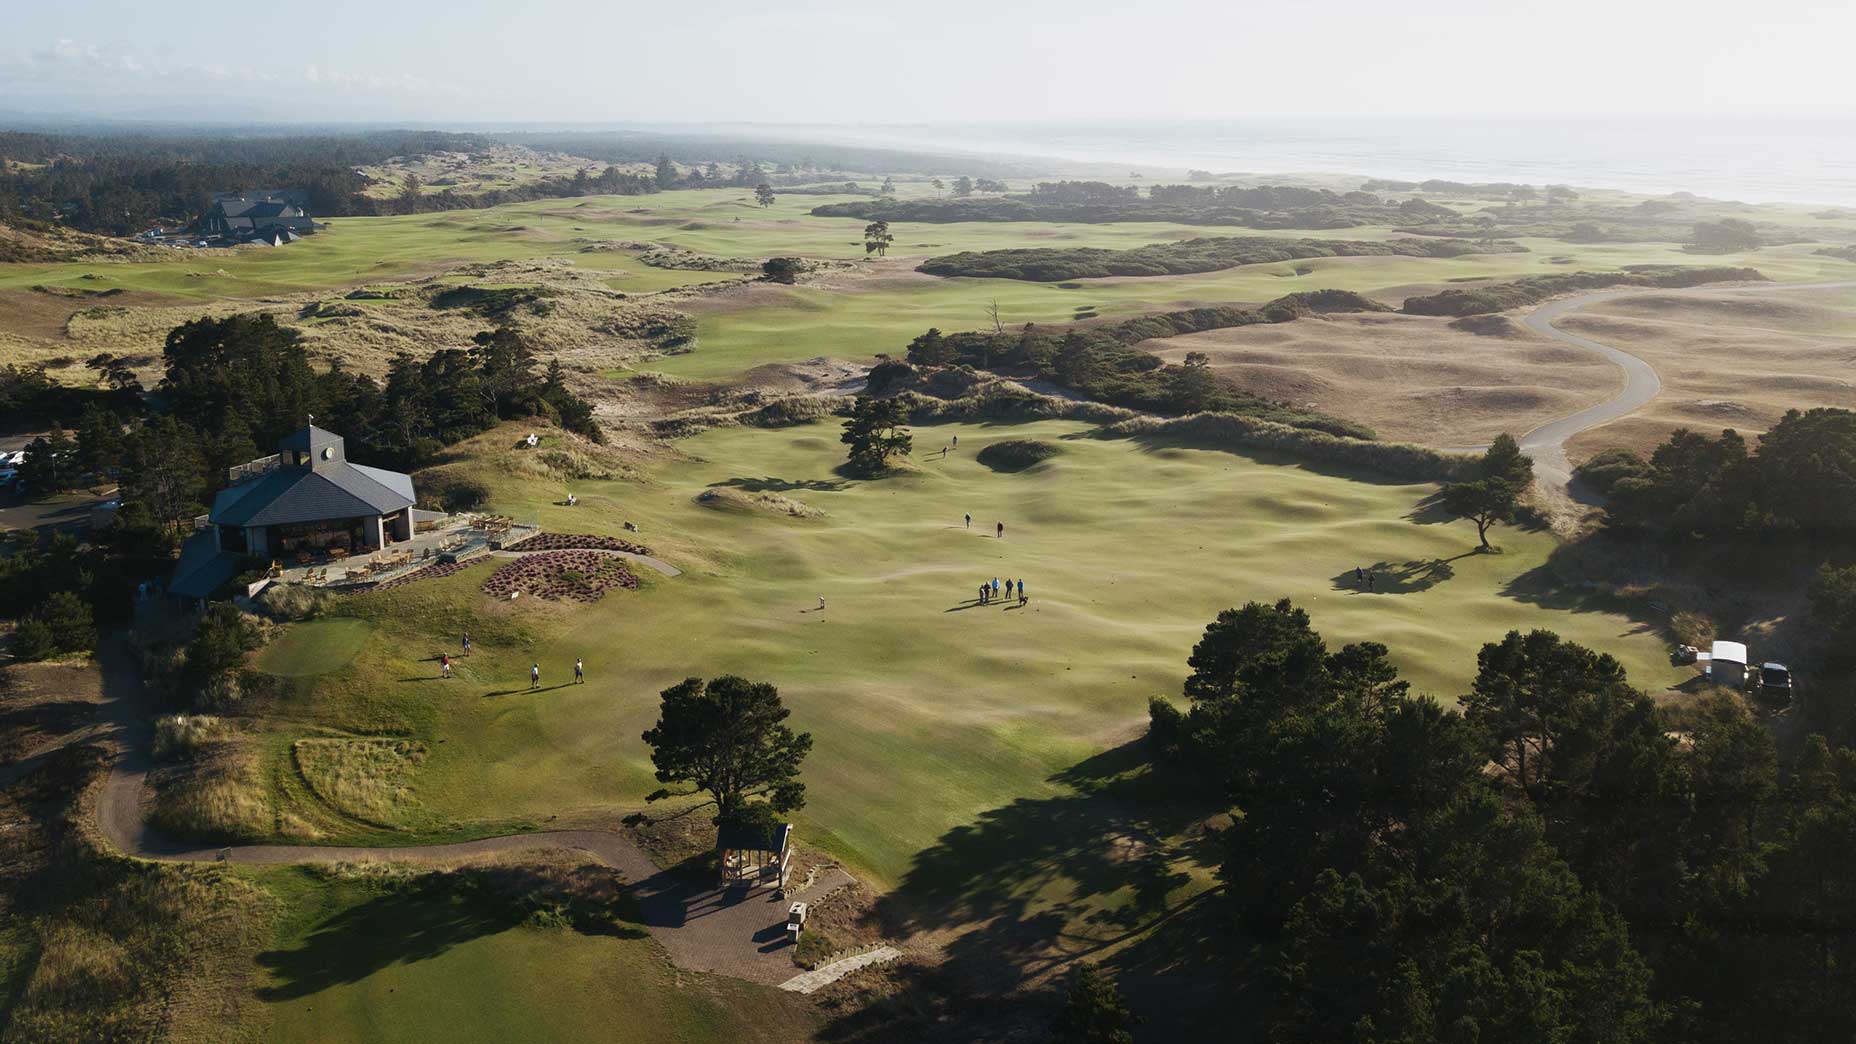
column 308, row 497
column 276, row 216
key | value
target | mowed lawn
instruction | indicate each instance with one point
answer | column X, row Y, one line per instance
column 927, row 711
column 358, row 250
column 352, row 961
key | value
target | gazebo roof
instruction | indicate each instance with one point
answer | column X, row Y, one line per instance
column 754, row 838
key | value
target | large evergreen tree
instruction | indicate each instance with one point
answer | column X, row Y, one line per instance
column 875, row 432
column 727, row 736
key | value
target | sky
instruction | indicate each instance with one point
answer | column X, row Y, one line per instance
column 947, row 61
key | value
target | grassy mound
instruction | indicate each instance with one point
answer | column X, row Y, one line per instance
column 368, row 779
column 1499, row 297
column 1017, row 454
column 726, row 499
column 219, row 797
column 1211, row 254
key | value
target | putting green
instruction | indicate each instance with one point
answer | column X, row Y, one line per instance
column 315, row 647
column 926, row 710
column 354, row 962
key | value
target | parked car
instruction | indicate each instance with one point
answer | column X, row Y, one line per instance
column 1775, row 682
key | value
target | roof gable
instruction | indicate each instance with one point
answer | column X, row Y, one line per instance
column 288, row 495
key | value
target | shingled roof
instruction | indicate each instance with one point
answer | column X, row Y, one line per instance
column 328, row 488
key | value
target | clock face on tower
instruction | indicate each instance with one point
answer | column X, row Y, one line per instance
column 328, row 453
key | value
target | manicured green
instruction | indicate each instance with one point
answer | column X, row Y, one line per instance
column 927, row 711
column 315, row 647
column 353, row 961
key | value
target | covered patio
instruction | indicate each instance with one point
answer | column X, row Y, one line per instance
column 437, row 538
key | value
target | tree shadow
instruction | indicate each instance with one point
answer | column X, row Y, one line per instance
column 1431, row 511
column 1034, row 886
column 1399, row 577
column 427, row 916
column 416, row 923
column 1543, row 587
column 775, row 485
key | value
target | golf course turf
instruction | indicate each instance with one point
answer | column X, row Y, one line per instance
column 927, row 710
column 974, row 763
column 359, row 959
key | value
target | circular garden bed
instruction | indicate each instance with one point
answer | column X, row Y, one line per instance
column 564, row 576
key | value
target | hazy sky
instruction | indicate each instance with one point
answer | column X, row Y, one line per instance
column 830, row 61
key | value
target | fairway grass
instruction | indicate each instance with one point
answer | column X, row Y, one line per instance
column 314, row 647
column 927, row 712
column 354, row 961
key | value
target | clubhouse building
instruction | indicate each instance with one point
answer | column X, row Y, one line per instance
column 305, row 503
column 308, row 498
column 273, row 217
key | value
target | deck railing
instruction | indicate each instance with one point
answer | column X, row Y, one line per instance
column 253, row 468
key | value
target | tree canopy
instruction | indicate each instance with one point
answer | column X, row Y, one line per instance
column 727, row 736
column 877, row 238
column 875, row 432
column 1503, row 474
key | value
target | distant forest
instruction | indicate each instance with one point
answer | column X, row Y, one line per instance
column 1264, row 207
column 121, row 183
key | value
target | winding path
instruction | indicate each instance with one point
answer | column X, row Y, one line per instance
column 1547, row 443
column 704, row 928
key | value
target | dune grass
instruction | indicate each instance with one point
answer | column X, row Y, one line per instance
column 928, row 712
column 354, row 959
column 368, row 779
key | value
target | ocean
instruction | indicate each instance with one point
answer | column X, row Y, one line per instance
column 1751, row 159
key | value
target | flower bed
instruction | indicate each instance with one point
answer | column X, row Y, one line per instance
column 575, row 541
column 573, row 575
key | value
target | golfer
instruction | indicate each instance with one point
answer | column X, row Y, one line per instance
column 534, row 676
column 579, row 672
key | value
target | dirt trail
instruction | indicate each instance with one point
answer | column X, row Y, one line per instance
column 704, row 928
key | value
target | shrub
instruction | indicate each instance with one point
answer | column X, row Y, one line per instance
column 1228, row 430
column 181, row 736
column 453, row 494
column 1053, row 264
column 1017, row 454
column 785, row 413
column 1607, row 468
column 220, row 642
column 783, row 269
column 218, row 692
column 287, row 603
column 1499, row 297
column 61, row 624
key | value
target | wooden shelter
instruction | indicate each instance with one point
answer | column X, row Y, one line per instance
column 755, row 855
